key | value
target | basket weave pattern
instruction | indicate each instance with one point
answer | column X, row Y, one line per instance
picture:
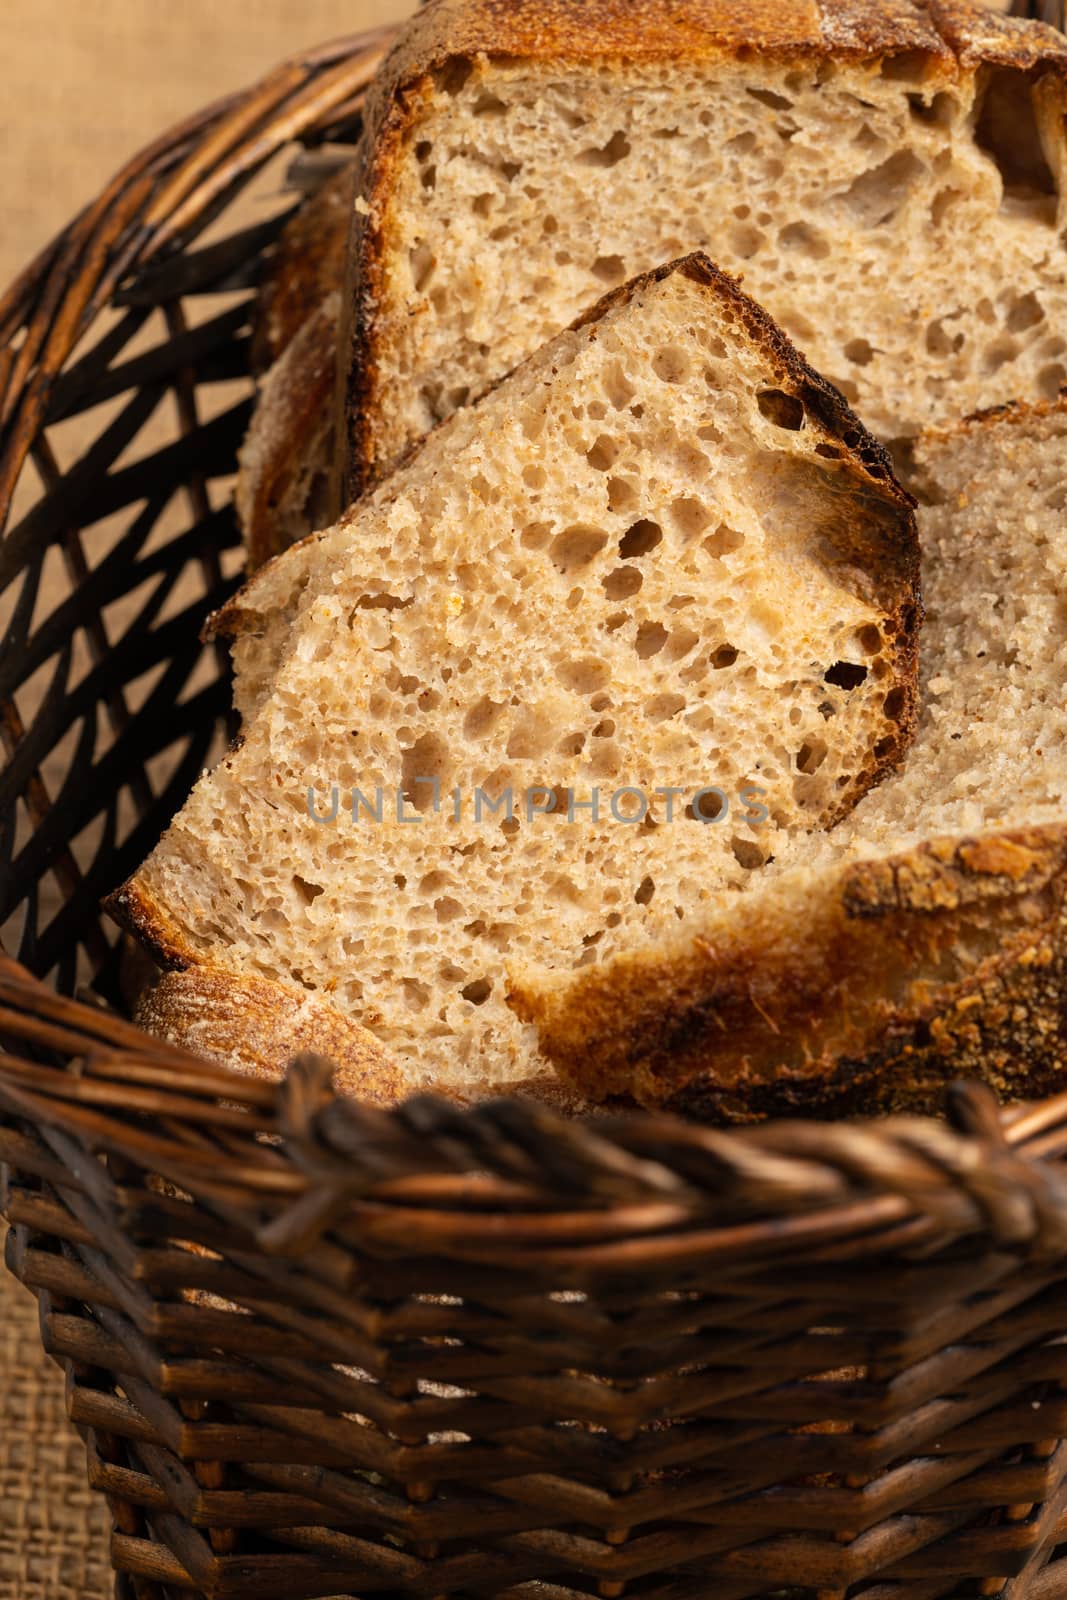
column 317, row 1349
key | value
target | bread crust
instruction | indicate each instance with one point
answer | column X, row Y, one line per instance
column 954, row 37
column 289, row 438
column 306, row 266
column 257, row 1025
column 747, row 1028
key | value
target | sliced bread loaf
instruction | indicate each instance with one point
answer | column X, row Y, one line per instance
column 662, row 555
column 926, row 938
column 886, row 177
column 286, row 483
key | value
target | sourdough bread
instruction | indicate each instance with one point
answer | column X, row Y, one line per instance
column 661, row 553
column 286, row 482
column 886, row 177
column 926, row 938
column 285, row 464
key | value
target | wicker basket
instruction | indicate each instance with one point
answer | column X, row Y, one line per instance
column 316, row 1349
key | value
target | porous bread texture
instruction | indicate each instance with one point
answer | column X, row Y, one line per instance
column 887, row 181
column 926, row 937
column 661, row 553
column 284, row 484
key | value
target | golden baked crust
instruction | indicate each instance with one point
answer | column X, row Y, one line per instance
column 257, row 1025
column 953, row 36
column 855, row 998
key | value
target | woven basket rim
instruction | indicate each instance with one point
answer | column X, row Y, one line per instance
column 615, row 1190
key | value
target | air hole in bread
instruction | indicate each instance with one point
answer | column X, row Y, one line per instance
column 767, row 97
column 846, row 674
column 447, row 908
column 811, row 755
column 651, row 637
column 680, row 643
column 1006, row 130
column 906, row 66
column 746, row 240
column 940, row 342
column 940, row 112
column 661, row 707
column 805, row 240
column 603, row 453
column 618, row 390
column 709, row 806
column 609, row 155
column 576, row 547
column 829, row 451
column 644, row 891
column 622, row 583
column 306, row 891
column 1051, row 380
column 535, row 535
column 640, row 539
column 416, row 994
column 423, row 262
column 622, row 495
column 1002, row 350
column 859, row 352
column 477, row 992
column 482, row 718
column 609, row 269
column 877, row 194
column 723, row 657
column 894, row 702
column 690, row 516
column 723, row 542
column 381, row 602
column 869, row 639
column 489, row 105
column 426, row 760
column 747, row 853
column 1026, row 312
column 784, row 410
column 604, row 729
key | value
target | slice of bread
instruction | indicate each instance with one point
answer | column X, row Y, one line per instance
column 286, row 480
column 306, row 266
column 663, row 554
column 886, row 177
column 926, row 938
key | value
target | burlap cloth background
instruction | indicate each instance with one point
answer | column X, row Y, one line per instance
column 87, row 82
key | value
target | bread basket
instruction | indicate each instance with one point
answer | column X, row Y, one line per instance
column 319, row 1349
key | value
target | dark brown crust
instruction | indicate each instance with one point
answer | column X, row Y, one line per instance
column 954, row 37
column 739, row 1029
column 307, row 264
column 257, row 1026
